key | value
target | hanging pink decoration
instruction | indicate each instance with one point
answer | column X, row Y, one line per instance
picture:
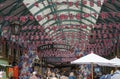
column 104, row 35
column 110, row 25
column 32, row 37
column 63, row 16
column 7, row 18
column 23, row 19
column 34, row 27
column 15, row 18
column 67, row 27
column 71, row 16
column 94, row 14
column 55, row 28
column 77, row 4
column 110, row 35
column 91, row 3
column 31, row 17
column 84, row 26
column 30, row 27
column 37, row 37
column 78, row 16
column 86, row 15
column 54, row 17
column 48, row 17
column 99, row 3
column 36, row 4
column 113, row 14
column 84, row 2
column 104, row 26
column 39, row 17
column 70, row 4
column 38, row 27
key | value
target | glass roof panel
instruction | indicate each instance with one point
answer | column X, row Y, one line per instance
column 59, row 7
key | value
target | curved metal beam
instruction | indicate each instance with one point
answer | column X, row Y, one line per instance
column 62, row 10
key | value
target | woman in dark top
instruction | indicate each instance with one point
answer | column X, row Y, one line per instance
column 71, row 76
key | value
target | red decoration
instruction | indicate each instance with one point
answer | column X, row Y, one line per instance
column 84, row 2
column 102, row 15
column 48, row 17
column 86, row 15
column 95, row 15
column 36, row 4
column 77, row 4
column 79, row 55
column 99, row 3
column 39, row 17
column 23, row 18
column 78, row 16
column 91, row 3
column 70, row 4
column 71, row 16
column 63, row 16
column 31, row 17
column 15, row 18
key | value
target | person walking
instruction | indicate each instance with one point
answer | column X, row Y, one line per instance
column 71, row 76
column 34, row 75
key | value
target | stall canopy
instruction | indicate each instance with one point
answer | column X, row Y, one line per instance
column 92, row 59
column 116, row 60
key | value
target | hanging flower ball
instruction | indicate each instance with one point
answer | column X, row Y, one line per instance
column 79, row 55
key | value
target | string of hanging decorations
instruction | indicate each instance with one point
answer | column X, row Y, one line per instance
column 78, row 16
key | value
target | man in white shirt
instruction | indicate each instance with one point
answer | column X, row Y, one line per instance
column 116, row 75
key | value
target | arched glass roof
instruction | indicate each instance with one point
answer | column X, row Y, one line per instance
column 64, row 21
column 52, row 8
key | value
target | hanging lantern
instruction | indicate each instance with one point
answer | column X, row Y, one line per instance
column 15, row 28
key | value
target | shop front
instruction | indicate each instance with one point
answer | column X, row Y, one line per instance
column 3, row 68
